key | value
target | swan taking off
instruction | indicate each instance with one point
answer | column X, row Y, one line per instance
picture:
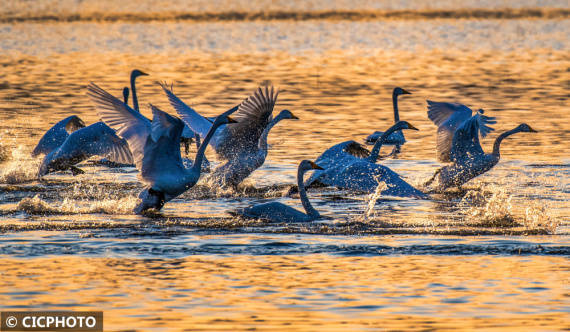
column 469, row 160
column 94, row 140
column 448, row 117
column 349, row 165
column 396, row 138
column 56, row 135
column 155, row 146
column 234, row 140
column 234, row 171
column 279, row 212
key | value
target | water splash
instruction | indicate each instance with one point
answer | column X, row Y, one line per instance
column 20, row 168
column 373, row 198
column 38, row 206
column 537, row 216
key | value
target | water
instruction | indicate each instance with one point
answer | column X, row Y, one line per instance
column 492, row 255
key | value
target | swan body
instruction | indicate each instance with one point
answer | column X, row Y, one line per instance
column 450, row 116
column 94, row 140
column 234, row 171
column 155, row 146
column 234, row 140
column 56, row 135
column 397, row 137
column 469, row 160
column 348, row 166
column 279, row 212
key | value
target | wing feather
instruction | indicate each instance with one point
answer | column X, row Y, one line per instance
column 128, row 123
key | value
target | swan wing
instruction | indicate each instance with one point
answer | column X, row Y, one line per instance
column 466, row 138
column 193, row 119
column 447, row 116
column 128, row 123
column 56, row 135
column 99, row 140
column 356, row 149
column 162, row 149
column 253, row 115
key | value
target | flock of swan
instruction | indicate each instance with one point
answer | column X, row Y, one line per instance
column 125, row 137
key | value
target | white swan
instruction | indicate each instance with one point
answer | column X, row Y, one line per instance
column 94, row 140
column 469, row 160
column 155, row 146
column 349, row 166
column 397, row 137
column 234, row 171
column 234, row 140
column 279, row 212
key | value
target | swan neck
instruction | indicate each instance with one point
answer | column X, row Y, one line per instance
column 395, row 104
column 378, row 145
column 134, row 93
column 500, row 138
column 197, row 167
column 262, row 145
column 304, row 198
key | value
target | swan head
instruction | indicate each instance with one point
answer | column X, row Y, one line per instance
column 287, row 114
column 307, row 165
column 399, row 91
column 136, row 73
column 523, row 127
column 404, row 125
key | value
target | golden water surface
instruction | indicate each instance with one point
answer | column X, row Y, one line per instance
column 493, row 255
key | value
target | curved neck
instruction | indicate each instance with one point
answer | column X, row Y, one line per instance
column 262, row 145
column 134, row 93
column 197, row 167
column 500, row 138
column 395, row 103
column 303, row 193
column 373, row 157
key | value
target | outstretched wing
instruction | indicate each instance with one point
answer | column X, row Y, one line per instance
column 128, row 123
column 447, row 116
column 193, row 119
column 100, row 140
column 56, row 135
column 252, row 116
column 356, row 149
column 466, row 138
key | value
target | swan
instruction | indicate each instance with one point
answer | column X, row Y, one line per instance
column 396, row 138
column 94, row 140
column 155, row 146
column 448, row 117
column 234, row 140
column 349, row 166
column 233, row 172
column 134, row 74
column 469, row 160
column 279, row 212
column 56, row 135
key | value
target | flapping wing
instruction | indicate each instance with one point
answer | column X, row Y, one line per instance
column 128, row 123
column 100, row 140
column 447, row 116
column 193, row 119
column 466, row 138
column 56, row 135
column 253, row 115
column 356, row 149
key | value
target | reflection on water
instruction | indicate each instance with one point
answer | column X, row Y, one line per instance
column 193, row 265
column 277, row 292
